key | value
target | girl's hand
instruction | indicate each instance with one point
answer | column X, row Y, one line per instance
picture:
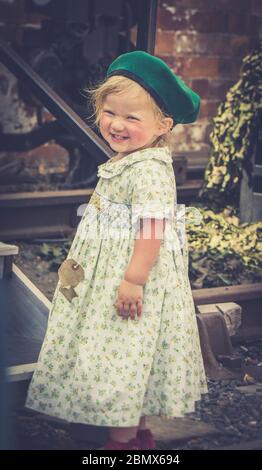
column 130, row 300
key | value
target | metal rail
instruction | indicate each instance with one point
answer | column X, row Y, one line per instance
column 146, row 31
column 54, row 103
column 27, row 215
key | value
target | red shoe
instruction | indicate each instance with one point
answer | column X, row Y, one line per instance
column 146, row 439
column 133, row 444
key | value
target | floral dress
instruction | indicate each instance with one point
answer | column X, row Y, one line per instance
column 94, row 366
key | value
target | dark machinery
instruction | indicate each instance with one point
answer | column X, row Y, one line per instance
column 70, row 48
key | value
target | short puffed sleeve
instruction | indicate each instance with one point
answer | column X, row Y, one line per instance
column 153, row 192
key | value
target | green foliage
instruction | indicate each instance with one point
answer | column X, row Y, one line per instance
column 222, row 251
column 233, row 135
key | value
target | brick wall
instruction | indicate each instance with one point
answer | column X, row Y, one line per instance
column 204, row 42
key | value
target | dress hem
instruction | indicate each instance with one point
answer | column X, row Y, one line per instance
column 163, row 417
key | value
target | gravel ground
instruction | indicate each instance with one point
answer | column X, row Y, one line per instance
column 236, row 415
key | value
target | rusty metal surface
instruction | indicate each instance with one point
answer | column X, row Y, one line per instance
column 234, row 293
column 214, row 341
column 214, row 336
column 29, row 215
column 248, row 296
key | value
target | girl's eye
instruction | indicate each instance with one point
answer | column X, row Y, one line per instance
column 132, row 118
column 108, row 112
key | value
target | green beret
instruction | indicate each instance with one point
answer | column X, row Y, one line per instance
column 170, row 92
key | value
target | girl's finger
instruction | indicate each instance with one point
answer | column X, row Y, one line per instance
column 139, row 308
column 125, row 310
column 133, row 311
column 119, row 307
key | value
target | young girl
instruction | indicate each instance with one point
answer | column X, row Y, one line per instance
column 122, row 340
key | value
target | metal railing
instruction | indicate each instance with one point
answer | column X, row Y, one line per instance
column 54, row 103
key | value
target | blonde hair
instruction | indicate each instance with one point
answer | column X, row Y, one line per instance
column 118, row 84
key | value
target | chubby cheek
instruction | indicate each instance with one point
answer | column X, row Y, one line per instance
column 139, row 135
column 104, row 124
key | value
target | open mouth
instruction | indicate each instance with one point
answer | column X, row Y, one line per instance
column 118, row 138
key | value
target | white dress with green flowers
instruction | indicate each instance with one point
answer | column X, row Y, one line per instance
column 94, row 366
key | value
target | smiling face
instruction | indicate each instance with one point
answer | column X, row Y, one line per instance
column 128, row 122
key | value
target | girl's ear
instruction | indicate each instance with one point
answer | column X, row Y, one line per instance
column 166, row 125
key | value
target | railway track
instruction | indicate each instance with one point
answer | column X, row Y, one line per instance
column 54, row 213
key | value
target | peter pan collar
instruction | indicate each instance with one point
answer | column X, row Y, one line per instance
column 115, row 167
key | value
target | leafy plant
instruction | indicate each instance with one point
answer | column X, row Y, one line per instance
column 233, row 135
column 222, row 251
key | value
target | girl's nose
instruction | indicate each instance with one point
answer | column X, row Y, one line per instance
column 117, row 125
